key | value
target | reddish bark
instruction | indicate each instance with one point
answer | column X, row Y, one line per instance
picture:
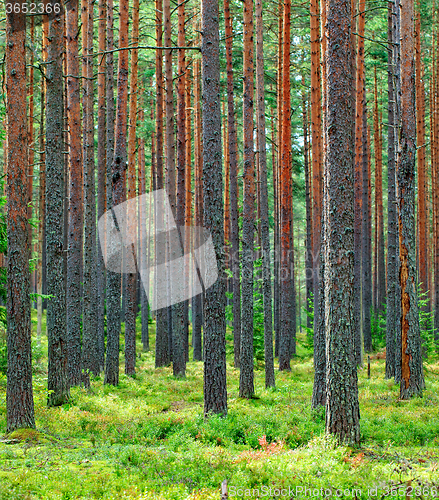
column 76, row 202
column 412, row 378
column 233, row 162
column 118, row 196
column 178, row 310
column 246, row 381
column 197, row 303
column 102, row 184
column 286, row 247
column 131, row 283
column 19, row 395
column 162, row 352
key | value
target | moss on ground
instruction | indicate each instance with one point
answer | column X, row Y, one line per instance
column 147, row 439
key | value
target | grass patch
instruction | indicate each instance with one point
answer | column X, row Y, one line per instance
column 147, row 439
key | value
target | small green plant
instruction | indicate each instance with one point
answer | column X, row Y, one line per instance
column 378, row 329
column 426, row 323
column 309, row 339
column 258, row 313
column 258, row 316
column 3, row 350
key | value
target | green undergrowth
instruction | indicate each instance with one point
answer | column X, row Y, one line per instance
column 147, row 438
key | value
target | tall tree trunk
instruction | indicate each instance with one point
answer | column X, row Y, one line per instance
column 75, row 222
column 358, row 184
column 265, row 235
column 366, row 249
column 109, row 92
column 226, row 156
column 58, row 383
column 434, row 128
column 342, row 408
column 42, row 216
column 233, row 162
column 215, row 387
column 246, row 382
column 412, row 377
column 379, row 228
column 276, row 175
column 397, row 119
column 19, row 395
column 119, row 167
column 131, row 283
column 170, row 156
column 319, row 391
column 197, row 302
column 420, row 134
column 188, row 200
column 30, row 92
column 145, row 243
column 162, row 354
column 276, row 321
column 287, row 276
column 90, row 363
column 102, row 191
column 308, row 209
column 393, row 308
column 178, row 326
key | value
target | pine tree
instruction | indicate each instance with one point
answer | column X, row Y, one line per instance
column 119, row 167
column 392, row 228
column 89, row 354
column 197, row 302
column 101, row 181
column 263, row 185
column 342, row 408
column 131, row 283
column 319, row 391
column 246, row 383
column 233, row 165
column 412, row 377
column 287, row 315
column 162, row 354
column 215, row 387
column 358, row 186
column 76, row 201
column 19, row 395
column 57, row 381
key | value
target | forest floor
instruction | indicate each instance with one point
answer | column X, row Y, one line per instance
column 147, row 439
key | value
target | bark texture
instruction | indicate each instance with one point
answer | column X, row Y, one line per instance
column 162, row 354
column 393, row 308
column 342, row 407
column 358, row 186
column 197, row 302
column 89, row 354
column 286, row 243
column 119, row 167
column 76, row 199
column 102, row 184
column 178, row 310
column 57, row 381
column 246, row 379
column 412, row 377
column 265, row 235
column 233, row 165
column 131, row 283
column 215, row 387
column 19, row 395
column 317, row 81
